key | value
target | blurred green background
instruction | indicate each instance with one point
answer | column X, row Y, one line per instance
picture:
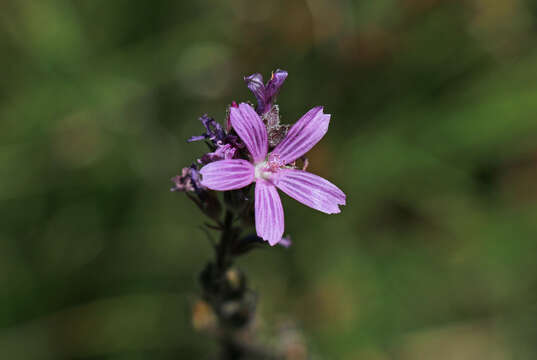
column 433, row 138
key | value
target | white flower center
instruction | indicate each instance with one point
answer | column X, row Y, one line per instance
column 268, row 169
column 262, row 171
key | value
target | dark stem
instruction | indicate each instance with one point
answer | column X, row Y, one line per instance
column 225, row 289
column 223, row 256
column 224, row 260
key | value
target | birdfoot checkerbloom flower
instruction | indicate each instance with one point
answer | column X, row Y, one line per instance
column 252, row 148
column 271, row 171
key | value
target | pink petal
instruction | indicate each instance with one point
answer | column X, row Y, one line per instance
column 250, row 129
column 268, row 212
column 311, row 190
column 227, row 174
column 304, row 134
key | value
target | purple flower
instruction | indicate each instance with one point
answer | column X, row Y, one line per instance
column 272, row 171
column 265, row 94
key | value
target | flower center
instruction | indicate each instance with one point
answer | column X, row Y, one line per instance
column 268, row 168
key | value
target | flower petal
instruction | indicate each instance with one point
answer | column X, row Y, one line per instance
column 227, row 174
column 256, row 86
column 250, row 129
column 268, row 212
column 304, row 134
column 273, row 86
column 311, row 190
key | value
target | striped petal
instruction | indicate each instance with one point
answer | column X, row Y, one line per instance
column 250, row 129
column 269, row 222
column 311, row 190
column 304, row 134
column 227, row 174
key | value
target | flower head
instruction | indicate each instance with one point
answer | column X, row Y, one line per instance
column 271, row 171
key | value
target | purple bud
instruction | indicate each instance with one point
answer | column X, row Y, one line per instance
column 228, row 123
column 265, row 94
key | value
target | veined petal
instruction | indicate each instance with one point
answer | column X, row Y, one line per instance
column 227, row 174
column 273, row 87
column 269, row 222
column 304, row 134
column 311, row 190
column 250, row 129
column 256, row 86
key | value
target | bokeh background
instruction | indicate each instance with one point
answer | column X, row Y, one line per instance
column 433, row 138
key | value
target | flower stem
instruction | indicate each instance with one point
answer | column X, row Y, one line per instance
column 223, row 256
column 224, row 288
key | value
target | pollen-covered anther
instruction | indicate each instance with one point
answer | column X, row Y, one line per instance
column 274, row 162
